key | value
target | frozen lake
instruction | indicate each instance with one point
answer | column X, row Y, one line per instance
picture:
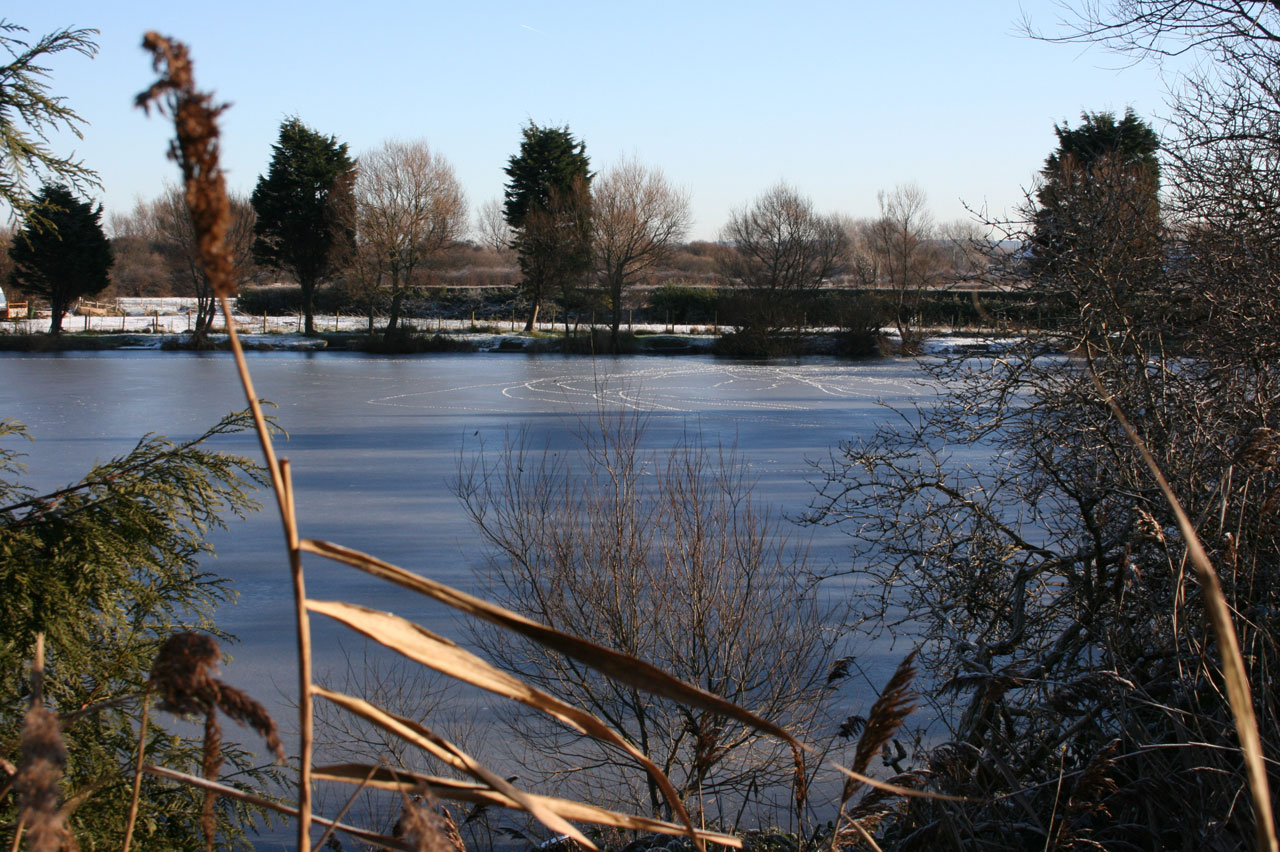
column 373, row 442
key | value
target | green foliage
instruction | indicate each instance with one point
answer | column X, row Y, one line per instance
column 548, row 205
column 304, row 206
column 29, row 114
column 107, row 568
column 682, row 304
column 1100, row 185
column 61, row 253
column 549, row 162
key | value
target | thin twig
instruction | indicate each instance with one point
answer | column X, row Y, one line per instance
column 343, row 812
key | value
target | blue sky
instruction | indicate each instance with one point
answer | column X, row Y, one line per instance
column 839, row 99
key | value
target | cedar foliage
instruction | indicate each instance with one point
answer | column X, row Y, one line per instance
column 30, row 113
column 107, row 567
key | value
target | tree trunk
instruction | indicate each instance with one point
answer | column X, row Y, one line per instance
column 204, row 317
column 308, row 307
column 533, row 317
column 615, row 298
column 393, row 318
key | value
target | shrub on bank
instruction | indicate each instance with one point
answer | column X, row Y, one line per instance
column 598, row 341
column 404, row 341
column 683, row 304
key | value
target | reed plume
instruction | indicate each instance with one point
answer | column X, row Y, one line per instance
column 44, row 756
column 196, row 151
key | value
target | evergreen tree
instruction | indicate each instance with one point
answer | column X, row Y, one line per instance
column 1103, row 180
column 61, row 253
column 304, row 204
column 105, row 569
column 548, row 206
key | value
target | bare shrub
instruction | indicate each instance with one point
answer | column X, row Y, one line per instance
column 666, row 556
column 782, row 247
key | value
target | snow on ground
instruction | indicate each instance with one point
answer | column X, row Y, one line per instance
column 163, row 317
column 176, row 316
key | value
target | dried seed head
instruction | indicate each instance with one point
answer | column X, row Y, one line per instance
column 887, row 714
column 246, row 711
column 182, row 677
column 182, row 673
column 1094, row 784
column 427, row 829
column 1261, row 450
column 43, row 758
column 196, row 151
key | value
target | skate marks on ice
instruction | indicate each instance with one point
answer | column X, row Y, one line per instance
column 683, row 388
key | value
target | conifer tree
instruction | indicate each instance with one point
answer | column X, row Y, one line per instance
column 61, row 253
column 304, row 204
column 30, row 113
column 1102, row 172
column 548, row 206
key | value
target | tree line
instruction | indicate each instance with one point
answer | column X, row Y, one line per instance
column 380, row 225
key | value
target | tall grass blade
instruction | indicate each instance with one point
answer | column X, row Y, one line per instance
column 419, row 644
column 621, row 667
column 618, row 666
column 461, row 791
column 272, row 805
column 422, row 737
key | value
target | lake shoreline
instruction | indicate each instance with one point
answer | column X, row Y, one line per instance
column 828, row 343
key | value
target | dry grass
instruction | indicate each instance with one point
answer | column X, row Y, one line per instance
column 1234, row 671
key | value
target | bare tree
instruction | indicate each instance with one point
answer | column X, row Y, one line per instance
column 782, row 248
column 1231, row 33
column 638, row 218
column 177, row 235
column 964, row 250
column 491, row 228
column 665, row 555
column 900, row 238
column 409, row 208
column 140, row 267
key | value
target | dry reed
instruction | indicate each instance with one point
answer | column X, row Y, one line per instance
column 1235, row 675
column 44, row 756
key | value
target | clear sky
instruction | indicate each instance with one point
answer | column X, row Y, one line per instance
column 839, row 99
